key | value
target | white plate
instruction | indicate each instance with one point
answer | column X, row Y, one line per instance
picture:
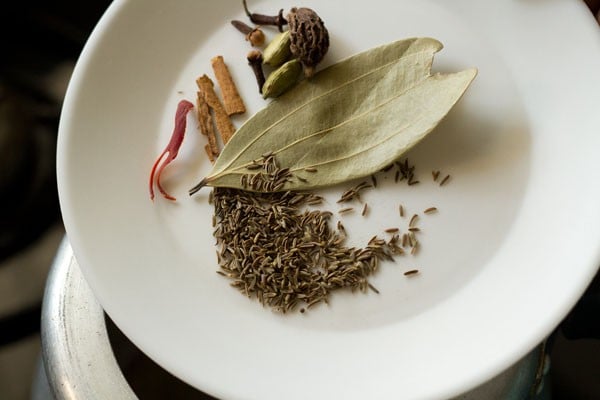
column 516, row 240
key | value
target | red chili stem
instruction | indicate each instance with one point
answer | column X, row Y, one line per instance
column 170, row 152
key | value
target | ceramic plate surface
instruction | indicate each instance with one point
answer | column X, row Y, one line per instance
column 514, row 244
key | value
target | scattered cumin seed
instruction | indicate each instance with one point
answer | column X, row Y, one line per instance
column 404, row 240
column 410, row 183
column 387, row 167
column 310, row 169
column 401, row 210
column 354, row 192
column 430, row 210
column 364, row 210
column 444, row 180
column 412, row 238
column 346, row 210
column 435, row 174
column 373, row 288
column 301, row 179
column 411, row 272
column 392, row 230
column 271, row 248
column 413, row 219
column 315, row 201
column 414, row 229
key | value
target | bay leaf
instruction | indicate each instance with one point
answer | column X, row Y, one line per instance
column 349, row 120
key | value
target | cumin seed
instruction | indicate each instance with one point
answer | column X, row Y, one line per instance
column 373, row 288
column 387, row 167
column 413, row 219
column 444, row 180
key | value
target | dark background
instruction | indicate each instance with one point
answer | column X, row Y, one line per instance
column 39, row 45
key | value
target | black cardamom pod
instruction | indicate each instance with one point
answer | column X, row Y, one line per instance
column 309, row 38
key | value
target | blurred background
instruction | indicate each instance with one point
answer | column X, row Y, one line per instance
column 40, row 43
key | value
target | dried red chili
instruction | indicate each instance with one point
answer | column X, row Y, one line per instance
column 170, row 152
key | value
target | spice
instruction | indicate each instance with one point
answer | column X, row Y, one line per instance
column 231, row 98
column 354, row 192
column 255, row 61
column 405, row 172
column 282, row 79
column 278, row 20
column 373, row 288
column 413, row 219
column 387, row 167
column 374, row 180
column 205, row 121
column 401, row 210
column 309, row 39
column 255, row 36
column 364, row 210
column 430, row 210
column 170, row 152
column 411, row 272
column 435, row 174
column 278, row 50
column 224, row 125
column 444, row 180
column 286, row 258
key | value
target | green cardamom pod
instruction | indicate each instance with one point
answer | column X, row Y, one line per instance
column 278, row 50
column 282, row 79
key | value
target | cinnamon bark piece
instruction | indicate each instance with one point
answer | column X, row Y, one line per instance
column 205, row 121
column 231, row 98
column 222, row 121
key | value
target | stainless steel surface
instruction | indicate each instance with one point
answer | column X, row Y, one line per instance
column 78, row 359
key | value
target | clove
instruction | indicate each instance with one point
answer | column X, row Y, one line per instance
column 255, row 36
column 255, row 60
column 278, row 20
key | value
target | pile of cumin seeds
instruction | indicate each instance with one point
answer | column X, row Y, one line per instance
column 288, row 257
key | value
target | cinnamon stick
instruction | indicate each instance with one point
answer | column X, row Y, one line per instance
column 222, row 121
column 231, row 98
column 205, row 121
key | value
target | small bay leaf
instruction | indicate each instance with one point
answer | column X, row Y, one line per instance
column 349, row 120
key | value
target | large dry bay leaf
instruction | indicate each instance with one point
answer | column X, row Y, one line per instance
column 348, row 121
